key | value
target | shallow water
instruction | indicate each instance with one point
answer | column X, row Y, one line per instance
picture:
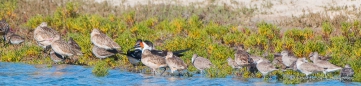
column 25, row 74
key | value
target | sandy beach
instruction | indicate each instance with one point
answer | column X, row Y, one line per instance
column 266, row 10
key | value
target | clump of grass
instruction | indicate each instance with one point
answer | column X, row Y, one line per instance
column 100, row 69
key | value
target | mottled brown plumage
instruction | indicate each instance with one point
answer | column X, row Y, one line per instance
column 233, row 64
column 73, row 44
column 264, row 66
column 103, row 53
column 102, row 40
column 43, row 33
column 242, row 57
column 153, row 61
column 56, row 57
column 288, row 59
column 347, row 73
column 308, row 68
column 13, row 38
column 201, row 63
column 175, row 63
column 323, row 63
column 4, row 27
column 61, row 47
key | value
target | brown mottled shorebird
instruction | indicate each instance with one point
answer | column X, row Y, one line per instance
column 277, row 61
column 175, row 63
column 4, row 27
column 153, row 61
column 43, row 33
column 347, row 73
column 288, row 59
column 201, row 63
column 74, row 44
column 62, row 48
column 56, row 57
column 13, row 38
column 318, row 57
column 265, row 66
column 242, row 57
column 323, row 63
column 233, row 64
column 308, row 68
column 102, row 40
column 103, row 53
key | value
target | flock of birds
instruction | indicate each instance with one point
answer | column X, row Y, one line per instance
column 145, row 53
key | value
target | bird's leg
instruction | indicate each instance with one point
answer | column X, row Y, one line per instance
column 164, row 70
column 4, row 41
column 154, row 71
column 180, row 73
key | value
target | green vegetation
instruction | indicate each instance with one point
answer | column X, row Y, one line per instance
column 100, row 69
column 211, row 34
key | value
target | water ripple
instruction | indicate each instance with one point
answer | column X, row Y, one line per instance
column 25, row 74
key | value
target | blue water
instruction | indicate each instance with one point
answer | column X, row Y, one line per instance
column 25, row 74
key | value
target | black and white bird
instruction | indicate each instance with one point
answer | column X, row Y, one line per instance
column 149, row 45
column 135, row 55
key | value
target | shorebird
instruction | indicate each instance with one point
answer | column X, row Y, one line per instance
column 265, row 66
column 175, row 63
column 323, row 63
column 135, row 55
column 233, row 64
column 277, row 60
column 73, row 44
column 102, row 40
column 308, row 68
column 201, row 63
column 56, row 57
column 43, row 33
column 13, row 38
column 4, row 27
column 279, row 63
column 347, row 73
column 153, row 61
column 64, row 49
column 318, row 57
column 288, row 59
column 242, row 57
column 103, row 53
